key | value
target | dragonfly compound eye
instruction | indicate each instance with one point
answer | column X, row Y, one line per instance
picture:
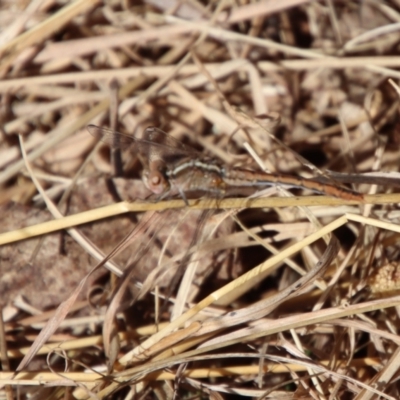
column 156, row 182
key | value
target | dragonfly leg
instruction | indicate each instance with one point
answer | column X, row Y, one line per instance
column 182, row 193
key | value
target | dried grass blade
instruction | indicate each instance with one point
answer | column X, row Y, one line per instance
column 232, row 286
column 65, row 306
column 264, row 307
column 11, row 49
column 59, row 134
column 110, row 333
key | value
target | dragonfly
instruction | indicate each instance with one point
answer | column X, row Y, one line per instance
column 172, row 168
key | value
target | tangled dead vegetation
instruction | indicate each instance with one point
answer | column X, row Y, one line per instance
column 107, row 293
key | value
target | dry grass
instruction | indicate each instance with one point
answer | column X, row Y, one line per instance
column 276, row 297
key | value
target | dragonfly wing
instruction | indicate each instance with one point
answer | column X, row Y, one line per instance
column 155, row 145
column 164, row 147
column 111, row 137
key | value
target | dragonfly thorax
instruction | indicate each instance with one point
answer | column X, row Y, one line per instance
column 197, row 176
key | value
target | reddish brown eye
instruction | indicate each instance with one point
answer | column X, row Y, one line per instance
column 155, row 180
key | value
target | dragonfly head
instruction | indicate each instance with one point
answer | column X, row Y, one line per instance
column 155, row 181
